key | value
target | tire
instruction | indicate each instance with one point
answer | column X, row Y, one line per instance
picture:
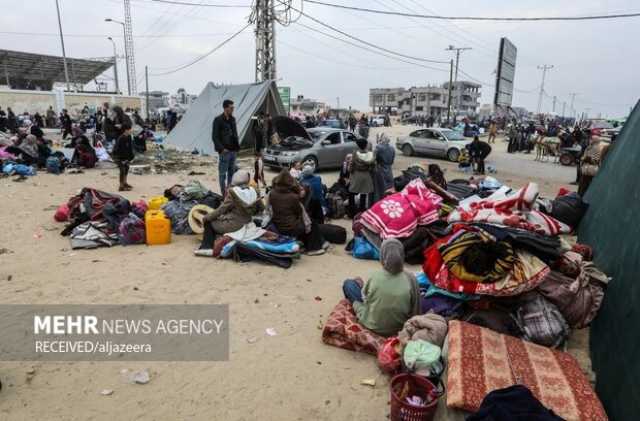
column 567, row 159
column 407, row 150
column 453, row 155
column 311, row 160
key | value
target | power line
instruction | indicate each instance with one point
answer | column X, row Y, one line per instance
column 53, row 34
column 207, row 54
column 479, row 18
column 186, row 3
column 333, row 28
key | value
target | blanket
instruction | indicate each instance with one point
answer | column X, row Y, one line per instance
column 481, row 361
column 515, row 210
column 398, row 215
column 343, row 330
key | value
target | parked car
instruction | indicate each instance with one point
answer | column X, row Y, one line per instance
column 323, row 148
column 439, row 142
column 377, row 120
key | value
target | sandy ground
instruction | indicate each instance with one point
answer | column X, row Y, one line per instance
column 291, row 376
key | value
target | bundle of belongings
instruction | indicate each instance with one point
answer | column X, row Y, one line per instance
column 503, row 282
column 183, row 198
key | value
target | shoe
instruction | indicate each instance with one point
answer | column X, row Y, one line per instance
column 574, row 183
column 203, row 252
column 319, row 252
column 325, row 245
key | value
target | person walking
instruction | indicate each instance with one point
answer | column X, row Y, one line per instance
column 224, row 135
column 66, row 122
column 493, row 131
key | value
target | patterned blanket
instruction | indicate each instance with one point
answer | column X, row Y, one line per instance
column 481, row 360
column 398, row 215
column 343, row 330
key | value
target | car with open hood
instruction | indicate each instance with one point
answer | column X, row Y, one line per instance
column 437, row 142
column 320, row 147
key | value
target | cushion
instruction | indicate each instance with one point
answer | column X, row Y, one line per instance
column 343, row 330
column 481, row 361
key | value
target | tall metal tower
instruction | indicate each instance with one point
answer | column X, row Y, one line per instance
column 128, row 45
column 264, row 16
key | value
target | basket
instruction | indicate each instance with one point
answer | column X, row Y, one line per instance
column 404, row 385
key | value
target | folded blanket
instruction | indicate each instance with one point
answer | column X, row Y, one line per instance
column 343, row 330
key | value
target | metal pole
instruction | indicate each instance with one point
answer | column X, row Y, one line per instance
column 64, row 54
column 146, row 83
column 555, row 99
column 573, row 97
column 544, row 69
column 564, row 105
column 115, row 65
column 450, row 84
column 126, row 58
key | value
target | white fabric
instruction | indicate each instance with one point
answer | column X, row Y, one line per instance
column 247, row 195
column 247, row 233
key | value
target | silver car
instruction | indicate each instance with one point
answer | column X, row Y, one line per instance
column 441, row 143
column 327, row 148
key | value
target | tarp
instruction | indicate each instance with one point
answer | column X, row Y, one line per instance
column 611, row 227
column 194, row 129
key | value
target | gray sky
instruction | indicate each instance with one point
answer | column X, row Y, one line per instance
column 597, row 59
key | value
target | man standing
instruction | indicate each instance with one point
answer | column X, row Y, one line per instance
column 66, row 122
column 478, row 151
column 493, row 131
column 225, row 141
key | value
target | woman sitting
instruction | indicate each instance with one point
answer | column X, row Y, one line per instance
column 240, row 205
column 288, row 213
column 84, row 155
column 26, row 150
column 390, row 297
column 315, row 203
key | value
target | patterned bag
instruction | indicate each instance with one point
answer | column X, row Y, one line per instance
column 131, row 230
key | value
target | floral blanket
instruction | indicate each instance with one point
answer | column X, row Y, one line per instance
column 343, row 330
column 398, row 215
column 481, row 360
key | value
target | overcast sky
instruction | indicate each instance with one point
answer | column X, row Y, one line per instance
column 599, row 60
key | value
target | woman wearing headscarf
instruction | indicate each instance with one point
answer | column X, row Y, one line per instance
column 590, row 163
column 240, row 205
column 385, row 155
column 289, row 216
column 25, row 149
column 316, row 202
column 84, row 155
column 361, row 181
column 390, row 297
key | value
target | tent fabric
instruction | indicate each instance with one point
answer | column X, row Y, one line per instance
column 611, row 229
column 194, row 129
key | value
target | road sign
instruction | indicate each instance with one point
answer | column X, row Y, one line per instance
column 285, row 97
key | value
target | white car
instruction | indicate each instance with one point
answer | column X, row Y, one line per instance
column 442, row 143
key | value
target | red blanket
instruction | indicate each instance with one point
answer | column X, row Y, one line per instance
column 343, row 330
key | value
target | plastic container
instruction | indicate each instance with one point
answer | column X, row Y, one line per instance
column 157, row 202
column 407, row 385
column 158, row 228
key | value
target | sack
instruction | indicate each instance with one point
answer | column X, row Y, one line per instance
column 62, row 213
column 589, row 170
column 363, row 249
column 334, row 234
column 569, row 209
column 131, row 230
column 423, row 358
column 388, row 356
column 337, row 207
column 53, row 165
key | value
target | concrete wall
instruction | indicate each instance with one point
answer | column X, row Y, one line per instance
column 32, row 101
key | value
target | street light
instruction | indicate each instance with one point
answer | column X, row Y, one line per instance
column 115, row 65
column 126, row 54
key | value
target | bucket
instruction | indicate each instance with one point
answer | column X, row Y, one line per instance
column 407, row 385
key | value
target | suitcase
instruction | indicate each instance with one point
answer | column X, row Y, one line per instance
column 334, row 234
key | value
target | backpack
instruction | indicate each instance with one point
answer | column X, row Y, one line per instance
column 53, row 165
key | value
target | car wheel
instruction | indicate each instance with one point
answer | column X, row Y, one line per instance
column 407, row 150
column 453, row 155
column 312, row 161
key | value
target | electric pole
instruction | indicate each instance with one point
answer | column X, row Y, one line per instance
column 449, row 95
column 573, row 97
column 544, row 69
column 64, row 54
column 458, row 91
column 555, row 99
column 265, row 40
column 128, row 45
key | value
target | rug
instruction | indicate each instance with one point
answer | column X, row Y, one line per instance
column 343, row 330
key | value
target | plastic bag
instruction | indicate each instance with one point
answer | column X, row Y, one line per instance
column 62, row 213
column 389, row 357
column 422, row 357
column 363, row 249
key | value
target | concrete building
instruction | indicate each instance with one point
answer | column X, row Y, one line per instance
column 425, row 100
column 157, row 99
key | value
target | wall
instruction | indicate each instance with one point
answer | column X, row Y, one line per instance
column 611, row 227
column 39, row 101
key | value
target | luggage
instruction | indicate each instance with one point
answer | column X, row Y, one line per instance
column 337, row 206
column 569, row 209
column 53, row 165
column 334, row 234
column 158, row 228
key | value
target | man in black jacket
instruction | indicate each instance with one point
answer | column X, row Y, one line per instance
column 478, row 151
column 225, row 141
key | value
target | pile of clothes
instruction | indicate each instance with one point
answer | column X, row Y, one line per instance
column 182, row 198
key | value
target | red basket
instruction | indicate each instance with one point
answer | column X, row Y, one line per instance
column 412, row 385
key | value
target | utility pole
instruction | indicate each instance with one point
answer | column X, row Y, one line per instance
column 265, row 40
column 544, row 69
column 146, row 88
column 128, row 45
column 115, row 65
column 450, row 85
column 458, row 91
column 338, row 103
column 573, row 98
column 64, row 54
column 564, row 105
column 555, row 99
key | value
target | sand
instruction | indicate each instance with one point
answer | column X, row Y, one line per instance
column 290, row 376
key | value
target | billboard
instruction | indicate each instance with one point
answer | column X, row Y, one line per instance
column 285, row 96
column 506, row 73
